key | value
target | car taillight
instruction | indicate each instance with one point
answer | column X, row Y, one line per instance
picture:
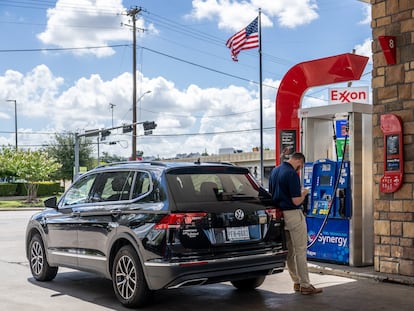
column 274, row 213
column 172, row 221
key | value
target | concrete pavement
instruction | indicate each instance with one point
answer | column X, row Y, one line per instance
column 358, row 289
column 320, row 267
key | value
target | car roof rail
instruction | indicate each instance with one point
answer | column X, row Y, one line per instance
column 111, row 164
column 155, row 163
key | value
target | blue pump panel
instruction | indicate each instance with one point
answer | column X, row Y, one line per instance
column 324, row 174
column 323, row 182
column 332, row 244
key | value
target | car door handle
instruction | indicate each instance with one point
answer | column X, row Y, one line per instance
column 76, row 214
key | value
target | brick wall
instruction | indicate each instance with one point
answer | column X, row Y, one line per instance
column 393, row 92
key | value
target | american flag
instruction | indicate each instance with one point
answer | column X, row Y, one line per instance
column 245, row 39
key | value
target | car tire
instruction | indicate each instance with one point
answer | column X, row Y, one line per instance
column 39, row 266
column 248, row 284
column 128, row 279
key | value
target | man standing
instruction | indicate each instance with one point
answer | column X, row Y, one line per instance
column 288, row 195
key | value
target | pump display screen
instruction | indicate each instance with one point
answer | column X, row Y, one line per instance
column 324, row 180
column 326, row 168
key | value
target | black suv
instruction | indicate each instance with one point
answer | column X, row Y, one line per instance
column 151, row 226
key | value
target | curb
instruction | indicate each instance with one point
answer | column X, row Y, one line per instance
column 12, row 209
column 360, row 273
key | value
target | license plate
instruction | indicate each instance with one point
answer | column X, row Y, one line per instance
column 238, row 233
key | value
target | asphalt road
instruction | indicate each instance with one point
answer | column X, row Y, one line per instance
column 74, row 290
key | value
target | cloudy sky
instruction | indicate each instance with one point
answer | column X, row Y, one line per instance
column 68, row 65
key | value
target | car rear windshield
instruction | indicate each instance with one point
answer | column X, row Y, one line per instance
column 211, row 186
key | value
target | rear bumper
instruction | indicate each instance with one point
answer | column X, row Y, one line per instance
column 162, row 274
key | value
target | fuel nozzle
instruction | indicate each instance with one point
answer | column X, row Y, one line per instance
column 340, row 194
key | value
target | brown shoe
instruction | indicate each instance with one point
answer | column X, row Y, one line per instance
column 296, row 287
column 310, row 290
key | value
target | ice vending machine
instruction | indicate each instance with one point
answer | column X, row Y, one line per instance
column 339, row 207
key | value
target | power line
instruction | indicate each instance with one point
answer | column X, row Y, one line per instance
column 43, row 5
column 159, row 21
column 64, row 49
column 142, row 47
column 205, row 67
column 213, row 133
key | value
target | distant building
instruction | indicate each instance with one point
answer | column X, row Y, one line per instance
column 229, row 150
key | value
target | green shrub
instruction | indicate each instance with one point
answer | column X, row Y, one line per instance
column 46, row 188
column 7, row 189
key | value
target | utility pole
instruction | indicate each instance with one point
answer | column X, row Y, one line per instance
column 133, row 13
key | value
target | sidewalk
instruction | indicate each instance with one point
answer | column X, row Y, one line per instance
column 359, row 272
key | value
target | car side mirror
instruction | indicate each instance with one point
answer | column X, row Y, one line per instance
column 50, row 202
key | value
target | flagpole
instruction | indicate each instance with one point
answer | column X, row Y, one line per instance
column 261, row 99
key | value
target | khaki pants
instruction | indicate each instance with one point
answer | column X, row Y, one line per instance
column 297, row 239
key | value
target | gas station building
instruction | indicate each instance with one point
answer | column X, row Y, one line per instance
column 381, row 145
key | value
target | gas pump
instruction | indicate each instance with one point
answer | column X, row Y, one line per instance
column 336, row 141
column 329, row 211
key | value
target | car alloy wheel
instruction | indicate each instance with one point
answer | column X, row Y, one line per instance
column 36, row 257
column 39, row 265
column 128, row 279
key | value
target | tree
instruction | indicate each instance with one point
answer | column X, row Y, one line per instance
column 31, row 166
column 107, row 158
column 5, row 168
column 63, row 149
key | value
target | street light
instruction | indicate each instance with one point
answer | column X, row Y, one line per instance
column 15, row 118
column 134, row 125
column 111, row 106
column 139, row 101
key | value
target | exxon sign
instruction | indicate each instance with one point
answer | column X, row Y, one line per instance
column 346, row 95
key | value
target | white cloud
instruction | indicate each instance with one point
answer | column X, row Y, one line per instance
column 365, row 48
column 4, row 115
column 367, row 15
column 189, row 120
column 33, row 91
column 235, row 15
column 87, row 23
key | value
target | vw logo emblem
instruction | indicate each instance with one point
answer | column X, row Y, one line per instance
column 239, row 214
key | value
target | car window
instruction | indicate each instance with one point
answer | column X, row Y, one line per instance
column 204, row 182
column 113, row 186
column 79, row 192
column 142, row 184
column 242, row 185
column 210, row 187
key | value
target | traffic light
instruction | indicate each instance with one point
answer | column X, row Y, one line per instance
column 104, row 134
column 149, row 125
column 91, row 133
column 126, row 129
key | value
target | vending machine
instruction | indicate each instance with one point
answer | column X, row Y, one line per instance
column 337, row 144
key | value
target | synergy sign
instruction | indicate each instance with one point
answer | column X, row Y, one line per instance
column 332, row 245
column 345, row 95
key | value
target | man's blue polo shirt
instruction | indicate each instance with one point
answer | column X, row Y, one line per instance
column 284, row 184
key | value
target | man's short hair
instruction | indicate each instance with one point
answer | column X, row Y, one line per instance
column 298, row 156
